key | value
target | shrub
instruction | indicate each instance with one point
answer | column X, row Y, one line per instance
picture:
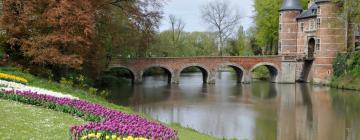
column 66, row 82
column 349, row 62
column 340, row 65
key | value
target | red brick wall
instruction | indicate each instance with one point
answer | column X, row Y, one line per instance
column 288, row 32
column 210, row 64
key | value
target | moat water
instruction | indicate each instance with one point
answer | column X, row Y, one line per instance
column 256, row 111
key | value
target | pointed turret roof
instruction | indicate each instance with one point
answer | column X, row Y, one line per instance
column 291, row 5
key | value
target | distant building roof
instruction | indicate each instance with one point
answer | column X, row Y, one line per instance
column 311, row 12
column 291, row 5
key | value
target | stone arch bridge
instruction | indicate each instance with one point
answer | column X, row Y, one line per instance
column 282, row 68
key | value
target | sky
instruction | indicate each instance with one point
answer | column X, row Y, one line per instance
column 189, row 12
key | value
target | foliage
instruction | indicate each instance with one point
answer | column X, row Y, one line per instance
column 347, row 63
column 349, row 10
column 347, row 71
column 239, row 46
column 189, row 44
column 50, row 32
column 267, row 24
column 261, row 73
column 65, row 35
column 339, row 65
column 123, row 38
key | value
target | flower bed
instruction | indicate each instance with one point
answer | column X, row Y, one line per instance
column 7, row 85
column 13, row 78
column 105, row 123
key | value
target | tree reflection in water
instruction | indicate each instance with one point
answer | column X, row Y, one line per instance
column 260, row 110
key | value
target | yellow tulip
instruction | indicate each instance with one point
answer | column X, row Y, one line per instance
column 114, row 137
column 98, row 135
column 130, row 138
column 107, row 137
column 13, row 78
column 92, row 135
column 84, row 138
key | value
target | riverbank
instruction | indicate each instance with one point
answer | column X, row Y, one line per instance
column 183, row 133
column 347, row 71
column 348, row 82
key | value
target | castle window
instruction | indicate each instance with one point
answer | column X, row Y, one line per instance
column 314, row 11
column 302, row 26
column 318, row 23
column 317, row 44
column 312, row 25
column 319, row 11
column 280, row 27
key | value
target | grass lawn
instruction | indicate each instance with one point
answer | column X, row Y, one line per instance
column 183, row 133
column 20, row 122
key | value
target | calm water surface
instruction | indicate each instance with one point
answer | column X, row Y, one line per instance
column 257, row 111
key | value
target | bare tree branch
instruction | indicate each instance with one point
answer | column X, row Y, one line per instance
column 177, row 28
column 223, row 18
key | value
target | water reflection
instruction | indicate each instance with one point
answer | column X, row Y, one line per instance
column 257, row 111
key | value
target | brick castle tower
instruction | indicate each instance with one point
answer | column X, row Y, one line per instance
column 315, row 36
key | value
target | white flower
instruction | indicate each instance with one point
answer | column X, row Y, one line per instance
column 9, row 86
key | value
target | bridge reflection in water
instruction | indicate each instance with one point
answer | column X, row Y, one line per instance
column 256, row 111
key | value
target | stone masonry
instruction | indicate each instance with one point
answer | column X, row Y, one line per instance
column 282, row 69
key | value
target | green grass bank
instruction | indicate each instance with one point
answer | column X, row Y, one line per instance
column 20, row 122
column 347, row 71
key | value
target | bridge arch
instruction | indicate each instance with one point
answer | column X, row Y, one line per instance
column 204, row 70
column 273, row 69
column 132, row 73
column 240, row 71
column 168, row 71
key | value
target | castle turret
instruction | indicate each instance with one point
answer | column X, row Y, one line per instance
column 288, row 27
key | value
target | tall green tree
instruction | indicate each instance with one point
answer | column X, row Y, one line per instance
column 239, row 46
column 190, row 44
column 350, row 11
column 267, row 24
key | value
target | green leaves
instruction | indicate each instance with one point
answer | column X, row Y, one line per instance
column 349, row 62
column 189, row 44
column 267, row 23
